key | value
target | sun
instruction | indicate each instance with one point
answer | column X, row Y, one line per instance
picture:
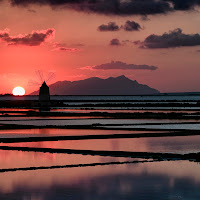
column 18, row 91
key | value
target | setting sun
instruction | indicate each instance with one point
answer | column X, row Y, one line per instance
column 18, row 91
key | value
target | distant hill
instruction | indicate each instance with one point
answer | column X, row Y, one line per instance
column 96, row 86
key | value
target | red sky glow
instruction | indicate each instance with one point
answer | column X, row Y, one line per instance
column 159, row 48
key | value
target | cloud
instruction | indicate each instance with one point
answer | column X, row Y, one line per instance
column 36, row 38
column 110, row 7
column 117, row 7
column 62, row 47
column 111, row 26
column 115, row 42
column 175, row 38
column 131, row 26
column 184, row 4
column 65, row 49
column 118, row 65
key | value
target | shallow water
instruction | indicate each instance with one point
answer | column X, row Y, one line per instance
column 179, row 144
column 61, row 132
column 77, row 110
column 137, row 108
column 128, row 102
column 99, row 177
column 112, row 98
column 159, row 180
column 169, row 126
column 83, row 121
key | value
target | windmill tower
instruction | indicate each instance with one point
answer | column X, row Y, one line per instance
column 44, row 94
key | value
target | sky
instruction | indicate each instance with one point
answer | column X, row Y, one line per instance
column 156, row 42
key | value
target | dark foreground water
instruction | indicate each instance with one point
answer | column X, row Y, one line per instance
column 161, row 180
column 37, row 173
column 111, row 98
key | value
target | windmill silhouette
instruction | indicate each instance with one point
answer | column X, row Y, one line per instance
column 44, row 94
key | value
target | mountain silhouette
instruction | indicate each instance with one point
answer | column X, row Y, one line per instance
column 96, row 86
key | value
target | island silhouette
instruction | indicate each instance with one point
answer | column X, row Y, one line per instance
column 120, row 85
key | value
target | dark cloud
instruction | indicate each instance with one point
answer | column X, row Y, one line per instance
column 113, row 7
column 117, row 65
column 111, row 26
column 131, row 26
column 36, row 38
column 44, row 2
column 184, row 4
column 175, row 38
column 116, row 7
column 115, row 42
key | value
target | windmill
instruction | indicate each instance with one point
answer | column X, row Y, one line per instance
column 44, row 94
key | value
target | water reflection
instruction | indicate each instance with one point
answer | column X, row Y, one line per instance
column 122, row 110
column 69, row 122
column 45, row 132
column 54, row 176
column 181, row 144
column 125, row 182
column 191, row 126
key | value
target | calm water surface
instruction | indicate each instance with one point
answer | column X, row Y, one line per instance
column 99, row 177
column 181, row 144
column 83, row 121
column 159, row 180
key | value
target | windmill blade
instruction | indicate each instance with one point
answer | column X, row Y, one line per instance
column 40, row 75
column 33, row 83
column 51, row 76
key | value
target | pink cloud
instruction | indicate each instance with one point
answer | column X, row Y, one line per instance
column 118, row 65
column 65, row 49
column 35, row 38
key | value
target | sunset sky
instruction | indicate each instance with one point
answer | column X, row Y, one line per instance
column 156, row 42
